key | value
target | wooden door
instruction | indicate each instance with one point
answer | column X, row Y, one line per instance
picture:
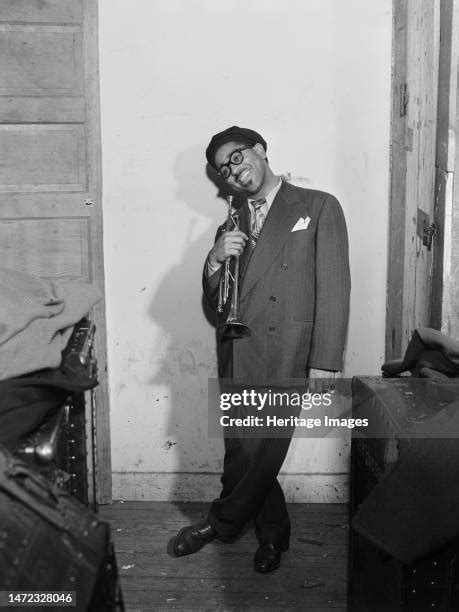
column 416, row 40
column 50, row 159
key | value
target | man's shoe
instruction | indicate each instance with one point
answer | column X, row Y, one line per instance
column 191, row 539
column 268, row 557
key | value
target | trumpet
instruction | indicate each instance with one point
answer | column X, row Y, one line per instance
column 232, row 327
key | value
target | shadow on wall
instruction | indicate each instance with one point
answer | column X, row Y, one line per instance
column 188, row 360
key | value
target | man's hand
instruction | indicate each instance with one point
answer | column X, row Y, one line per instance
column 321, row 381
column 230, row 243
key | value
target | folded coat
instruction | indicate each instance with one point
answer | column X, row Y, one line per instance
column 37, row 318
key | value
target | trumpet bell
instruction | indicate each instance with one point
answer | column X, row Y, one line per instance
column 234, row 330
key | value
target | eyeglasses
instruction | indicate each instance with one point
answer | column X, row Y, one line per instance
column 236, row 158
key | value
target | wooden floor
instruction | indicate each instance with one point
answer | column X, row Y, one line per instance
column 313, row 574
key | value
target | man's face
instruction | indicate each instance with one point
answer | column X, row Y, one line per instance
column 249, row 176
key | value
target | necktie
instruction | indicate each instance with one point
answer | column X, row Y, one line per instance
column 258, row 218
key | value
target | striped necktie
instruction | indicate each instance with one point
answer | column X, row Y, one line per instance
column 258, row 218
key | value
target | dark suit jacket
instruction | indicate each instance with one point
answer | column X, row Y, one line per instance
column 294, row 292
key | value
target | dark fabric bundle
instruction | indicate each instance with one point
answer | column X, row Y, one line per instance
column 23, row 408
column 430, row 354
column 25, row 400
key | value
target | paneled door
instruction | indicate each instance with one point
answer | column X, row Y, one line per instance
column 50, row 160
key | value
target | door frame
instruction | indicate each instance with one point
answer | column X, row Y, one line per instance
column 100, row 413
column 400, row 311
column 445, row 316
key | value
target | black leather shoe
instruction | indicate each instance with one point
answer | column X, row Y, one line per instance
column 268, row 557
column 191, row 539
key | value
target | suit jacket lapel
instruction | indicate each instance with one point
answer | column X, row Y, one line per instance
column 276, row 230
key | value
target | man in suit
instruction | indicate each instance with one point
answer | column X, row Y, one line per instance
column 294, row 297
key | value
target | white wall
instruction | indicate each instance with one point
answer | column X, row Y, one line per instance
column 313, row 76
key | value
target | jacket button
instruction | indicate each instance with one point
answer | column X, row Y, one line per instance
column 284, row 266
column 272, row 298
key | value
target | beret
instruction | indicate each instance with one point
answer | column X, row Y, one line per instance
column 232, row 134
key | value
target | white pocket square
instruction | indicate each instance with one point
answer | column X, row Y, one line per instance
column 301, row 224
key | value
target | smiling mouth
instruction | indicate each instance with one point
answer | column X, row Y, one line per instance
column 243, row 176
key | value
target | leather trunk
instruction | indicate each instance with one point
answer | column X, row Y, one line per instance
column 379, row 581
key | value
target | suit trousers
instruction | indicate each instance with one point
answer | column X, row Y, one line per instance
column 251, row 491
